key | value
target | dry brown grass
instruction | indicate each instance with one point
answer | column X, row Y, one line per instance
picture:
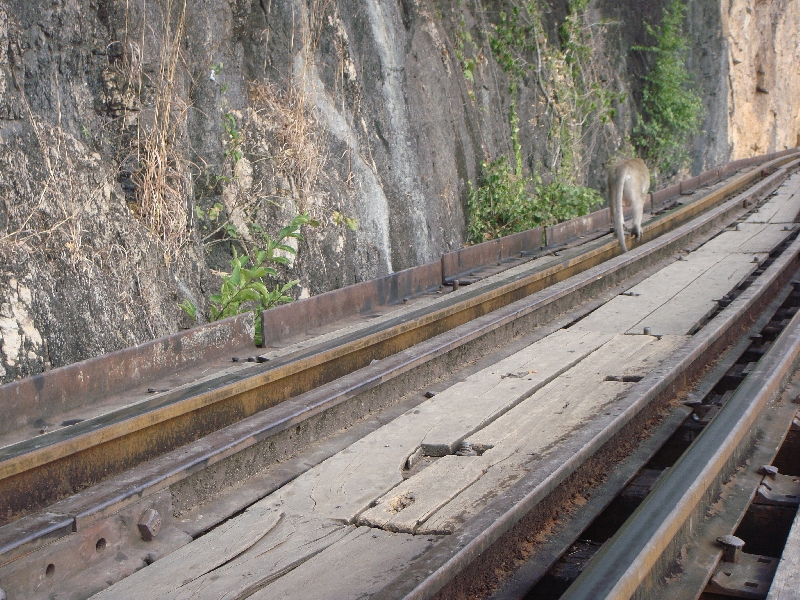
column 162, row 187
column 299, row 140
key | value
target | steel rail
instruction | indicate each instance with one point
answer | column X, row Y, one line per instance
column 626, row 560
column 98, row 448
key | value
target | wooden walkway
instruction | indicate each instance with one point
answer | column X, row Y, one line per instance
column 346, row 528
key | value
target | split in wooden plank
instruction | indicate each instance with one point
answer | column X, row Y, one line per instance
column 361, row 564
column 687, row 310
column 521, row 437
column 786, row 583
column 472, row 404
column 194, row 560
column 292, row 542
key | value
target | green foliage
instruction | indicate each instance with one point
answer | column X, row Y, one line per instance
column 339, row 219
column 575, row 106
column 505, row 203
column 234, row 138
column 466, row 51
column 245, row 289
column 671, row 110
column 575, row 103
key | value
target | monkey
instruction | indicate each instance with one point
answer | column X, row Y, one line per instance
column 628, row 182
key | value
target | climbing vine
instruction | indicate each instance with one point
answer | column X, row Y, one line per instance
column 671, row 108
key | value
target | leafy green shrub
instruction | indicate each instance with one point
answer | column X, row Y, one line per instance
column 671, row 109
column 244, row 289
column 505, row 203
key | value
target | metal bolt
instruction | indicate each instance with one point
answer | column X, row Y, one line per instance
column 647, row 331
column 149, row 524
column 455, row 284
column 755, row 259
column 738, row 228
column 466, row 450
column 769, row 471
column 732, row 547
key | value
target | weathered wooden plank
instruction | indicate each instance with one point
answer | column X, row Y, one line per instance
column 750, row 237
column 623, row 312
column 194, row 560
column 782, row 207
column 484, row 396
column 786, row 583
column 292, row 542
column 362, row 563
column 417, row 498
column 533, row 428
column 687, row 309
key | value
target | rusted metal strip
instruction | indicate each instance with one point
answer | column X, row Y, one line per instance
column 304, row 316
column 47, row 394
column 524, row 241
column 569, row 230
column 462, row 261
column 113, row 444
column 459, row 263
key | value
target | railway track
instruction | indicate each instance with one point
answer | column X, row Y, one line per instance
column 170, row 458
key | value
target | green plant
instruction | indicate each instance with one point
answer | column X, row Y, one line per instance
column 339, row 219
column 234, row 140
column 244, row 289
column 505, row 202
column 466, row 51
column 576, row 103
column 671, row 109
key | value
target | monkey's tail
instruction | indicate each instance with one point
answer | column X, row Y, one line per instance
column 619, row 217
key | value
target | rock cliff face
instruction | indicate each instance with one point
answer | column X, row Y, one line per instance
column 134, row 136
column 764, row 80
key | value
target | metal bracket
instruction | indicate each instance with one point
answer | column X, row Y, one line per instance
column 108, row 549
column 749, row 577
column 778, row 490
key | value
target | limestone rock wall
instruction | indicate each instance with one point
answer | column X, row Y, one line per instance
column 764, row 82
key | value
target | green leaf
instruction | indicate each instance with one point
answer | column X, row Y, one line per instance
column 189, row 308
column 287, row 286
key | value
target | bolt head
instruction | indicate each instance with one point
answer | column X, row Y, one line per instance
column 150, row 524
column 768, row 470
column 732, row 546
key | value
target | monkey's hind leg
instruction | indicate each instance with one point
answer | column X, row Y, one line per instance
column 638, row 212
